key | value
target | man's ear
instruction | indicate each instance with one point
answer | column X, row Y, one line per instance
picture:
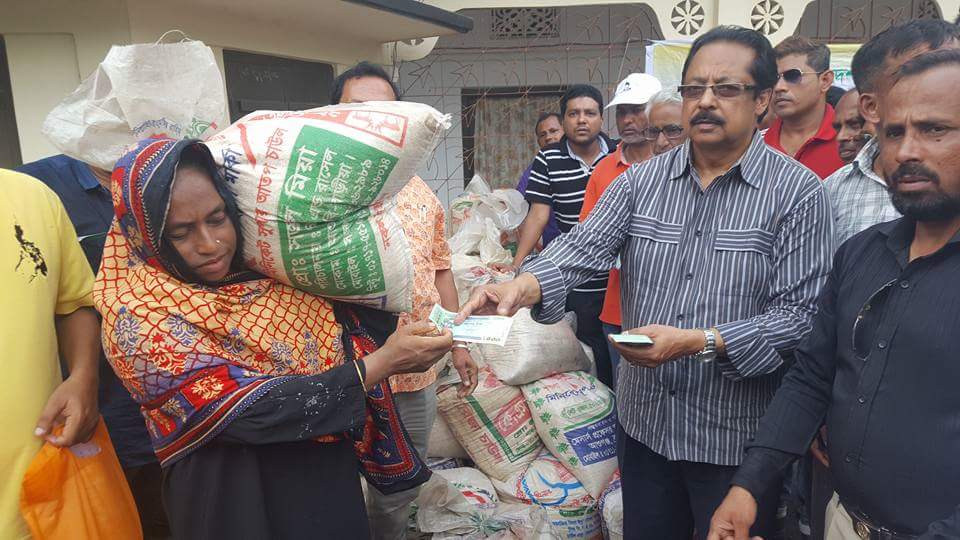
column 869, row 108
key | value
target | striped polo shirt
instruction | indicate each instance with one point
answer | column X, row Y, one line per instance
column 559, row 179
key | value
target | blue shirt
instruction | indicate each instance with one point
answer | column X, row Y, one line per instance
column 747, row 256
column 90, row 208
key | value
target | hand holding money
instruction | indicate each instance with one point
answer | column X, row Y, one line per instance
column 476, row 329
column 502, row 299
column 413, row 348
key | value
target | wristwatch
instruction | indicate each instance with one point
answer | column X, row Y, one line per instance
column 709, row 352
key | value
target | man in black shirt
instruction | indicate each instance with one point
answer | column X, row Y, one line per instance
column 881, row 361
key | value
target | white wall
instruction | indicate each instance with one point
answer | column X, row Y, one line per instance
column 52, row 59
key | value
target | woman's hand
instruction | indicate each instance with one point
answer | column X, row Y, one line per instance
column 413, row 348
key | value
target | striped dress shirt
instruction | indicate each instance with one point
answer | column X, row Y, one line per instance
column 747, row 256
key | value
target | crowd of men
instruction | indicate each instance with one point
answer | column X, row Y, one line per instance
column 790, row 265
column 785, row 246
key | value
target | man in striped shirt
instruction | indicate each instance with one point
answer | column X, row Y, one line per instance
column 558, row 181
column 724, row 246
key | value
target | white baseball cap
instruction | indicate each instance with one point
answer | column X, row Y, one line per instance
column 636, row 89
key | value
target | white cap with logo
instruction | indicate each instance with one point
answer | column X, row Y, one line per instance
column 636, row 89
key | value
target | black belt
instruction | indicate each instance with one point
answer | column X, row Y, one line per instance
column 868, row 530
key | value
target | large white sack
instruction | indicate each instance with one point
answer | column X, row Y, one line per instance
column 505, row 207
column 575, row 415
column 480, row 237
column 493, row 425
column 316, row 191
column 571, row 511
column 461, row 503
column 469, row 272
column 611, row 509
column 139, row 91
column 534, row 351
column 442, row 443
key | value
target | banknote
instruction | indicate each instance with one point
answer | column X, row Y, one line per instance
column 490, row 329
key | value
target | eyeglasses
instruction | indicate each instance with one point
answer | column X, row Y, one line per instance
column 721, row 90
column 670, row 131
column 794, row 76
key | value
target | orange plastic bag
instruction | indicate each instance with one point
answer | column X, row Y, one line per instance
column 79, row 493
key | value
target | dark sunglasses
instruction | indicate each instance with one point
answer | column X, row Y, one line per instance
column 670, row 131
column 794, row 76
column 721, row 90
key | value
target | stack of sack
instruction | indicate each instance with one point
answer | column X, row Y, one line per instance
column 539, row 428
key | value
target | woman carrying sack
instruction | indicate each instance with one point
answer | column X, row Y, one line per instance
column 259, row 398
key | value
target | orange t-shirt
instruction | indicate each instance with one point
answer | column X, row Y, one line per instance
column 603, row 175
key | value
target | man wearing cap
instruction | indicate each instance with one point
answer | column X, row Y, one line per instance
column 630, row 101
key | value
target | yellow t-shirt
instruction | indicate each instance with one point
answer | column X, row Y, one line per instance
column 43, row 273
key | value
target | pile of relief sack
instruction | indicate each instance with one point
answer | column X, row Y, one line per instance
column 532, row 453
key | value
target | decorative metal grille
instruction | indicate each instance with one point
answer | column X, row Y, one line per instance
column 524, row 23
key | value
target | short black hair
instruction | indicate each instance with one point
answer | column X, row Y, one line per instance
column 834, row 93
column 363, row 69
column 581, row 90
column 764, row 66
column 869, row 59
column 928, row 61
column 544, row 116
column 817, row 54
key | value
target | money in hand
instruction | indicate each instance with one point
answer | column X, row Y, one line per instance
column 490, row 329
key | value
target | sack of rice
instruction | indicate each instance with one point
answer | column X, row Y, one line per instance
column 442, row 443
column 611, row 509
column 461, row 503
column 493, row 425
column 575, row 415
column 571, row 511
column 534, row 351
column 316, row 192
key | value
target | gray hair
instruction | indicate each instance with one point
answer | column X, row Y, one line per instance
column 667, row 95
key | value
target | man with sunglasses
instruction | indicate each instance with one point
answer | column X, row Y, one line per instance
column 803, row 127
column 724, row 245
column 630, row 100
column 880, row 364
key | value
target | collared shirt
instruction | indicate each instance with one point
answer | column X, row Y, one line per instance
column 550, row 230
column 603, row 175
column 424, row 224
column 559, row 179
column 748, row 256
column 859, row 196
column 881, row 364
column 821, row 153
column 90, row 208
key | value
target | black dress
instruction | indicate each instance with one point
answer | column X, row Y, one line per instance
column 265, row 477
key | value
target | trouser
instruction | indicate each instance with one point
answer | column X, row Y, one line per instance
column 588, row 306
column 820, row 494
column 675, row 500
column 614, row 355
column 389, row 514
column 838, row 524
column 145, row 482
